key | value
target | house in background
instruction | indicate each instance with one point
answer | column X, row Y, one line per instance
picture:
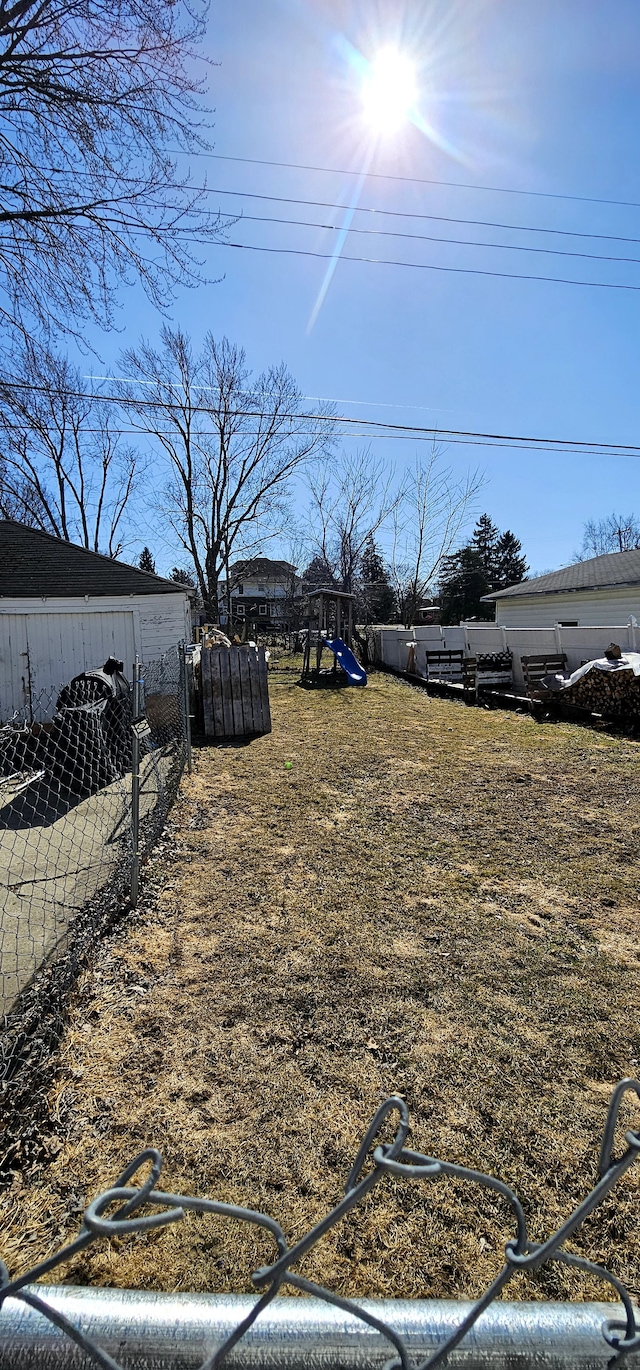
column 264, row 595
column 603, row 590
column 64, row 610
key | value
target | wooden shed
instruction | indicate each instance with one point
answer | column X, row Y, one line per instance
column 63, row 610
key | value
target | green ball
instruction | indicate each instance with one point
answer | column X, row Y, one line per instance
column 288, row 765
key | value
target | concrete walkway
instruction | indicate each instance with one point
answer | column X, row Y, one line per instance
column 55, row 854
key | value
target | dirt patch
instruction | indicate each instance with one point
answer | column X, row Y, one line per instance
column 433, row 901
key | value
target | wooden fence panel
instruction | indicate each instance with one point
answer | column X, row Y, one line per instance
column 216, row 690
column 256, row 699
column 245, row 691
column 264, row 690
column 235, row 692
column 227, row 704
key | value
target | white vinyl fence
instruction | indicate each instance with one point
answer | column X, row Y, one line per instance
column 391, row 646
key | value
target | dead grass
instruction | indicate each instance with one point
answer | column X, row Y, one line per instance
column 432, row 900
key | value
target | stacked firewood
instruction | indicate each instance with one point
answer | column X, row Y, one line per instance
column 616, row 694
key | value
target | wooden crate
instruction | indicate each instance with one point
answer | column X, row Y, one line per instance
column 235, row 692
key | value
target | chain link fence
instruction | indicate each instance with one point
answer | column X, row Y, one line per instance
column 88, row 773
column 136, row 1205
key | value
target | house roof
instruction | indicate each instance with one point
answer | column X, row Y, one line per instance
column 260, row 566
column 34, row 563
column 598, row 573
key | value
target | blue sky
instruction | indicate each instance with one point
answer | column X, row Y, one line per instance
column 540, row 96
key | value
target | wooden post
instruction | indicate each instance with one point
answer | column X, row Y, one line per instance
column 321, row 626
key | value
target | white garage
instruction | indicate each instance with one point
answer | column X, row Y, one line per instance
column 65, row 610
column 603, row 590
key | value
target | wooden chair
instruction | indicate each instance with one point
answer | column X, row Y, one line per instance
column 535, row 667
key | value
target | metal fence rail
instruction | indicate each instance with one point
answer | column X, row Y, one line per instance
column 116, row 1330
column 178, row 1332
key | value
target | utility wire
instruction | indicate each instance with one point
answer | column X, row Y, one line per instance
column 431, row 238
column 590, row 447
column 531, row 446
column 413, row 214
column 421, row 266
column 416, row 180
column 401, row 214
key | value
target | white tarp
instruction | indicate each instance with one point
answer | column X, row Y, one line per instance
column 630, row 661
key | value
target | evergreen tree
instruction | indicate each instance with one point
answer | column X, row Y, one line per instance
column 146, row 562
column 491, row 561
column 485, row 541
column 182, row 576
column 375, row 599
column 463, row 583
column 511, row 565
column 318, row 575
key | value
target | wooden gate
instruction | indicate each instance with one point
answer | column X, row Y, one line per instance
column 235, row 692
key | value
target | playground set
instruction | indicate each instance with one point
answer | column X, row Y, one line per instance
column 330, row 626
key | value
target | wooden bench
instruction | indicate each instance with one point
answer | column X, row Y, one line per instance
column 487, row 671
column 447, row 667
column 494, row 669
column 535, row 667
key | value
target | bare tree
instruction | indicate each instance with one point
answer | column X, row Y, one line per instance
column 233, row 443
column 429, row 518
column 63, row 465
column 350, row 502
column 94, row 97
column 615, row 533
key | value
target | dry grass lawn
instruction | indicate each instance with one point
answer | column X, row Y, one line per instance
column 432, row 900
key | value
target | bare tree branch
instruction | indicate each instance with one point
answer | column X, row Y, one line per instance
column 233, row 444
column 350, row 502
column 431, row 513
column 93, row 94
column 62, row 468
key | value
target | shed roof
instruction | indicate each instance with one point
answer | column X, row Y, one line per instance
column 260, row 566
column 598, row 573
column 33, row 563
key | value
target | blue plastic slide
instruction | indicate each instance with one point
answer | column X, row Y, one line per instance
column 346, row 659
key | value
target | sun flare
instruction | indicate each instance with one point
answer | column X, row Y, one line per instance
column 389, row 90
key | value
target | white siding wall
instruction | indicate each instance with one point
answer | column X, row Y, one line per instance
column 587, row 606
column 43, row 643
column 164, row 620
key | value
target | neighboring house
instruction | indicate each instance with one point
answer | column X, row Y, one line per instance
column 603, row 590
column 428, row 611
column 264, row 594
column 63, row 610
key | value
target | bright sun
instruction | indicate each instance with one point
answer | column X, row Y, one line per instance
column 389, row 90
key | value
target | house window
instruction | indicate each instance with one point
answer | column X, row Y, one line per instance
column 239, row 608
column 239, row 589
column 263, row 609
column 568, row 623
column 261, row 589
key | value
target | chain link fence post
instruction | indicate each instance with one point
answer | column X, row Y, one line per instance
column 135, row 787
column 186, row 702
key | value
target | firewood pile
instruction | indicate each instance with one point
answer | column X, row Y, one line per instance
column 616, row 694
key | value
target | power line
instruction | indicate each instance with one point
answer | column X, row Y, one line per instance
column 588, row 447
column 531, row 446
column 423, row 266
column 416, row 180
column 431, row 238
column 414, row 214
column 397, row 214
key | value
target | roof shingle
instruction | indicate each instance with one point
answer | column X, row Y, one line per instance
column 33, row 563
column 598, row 573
